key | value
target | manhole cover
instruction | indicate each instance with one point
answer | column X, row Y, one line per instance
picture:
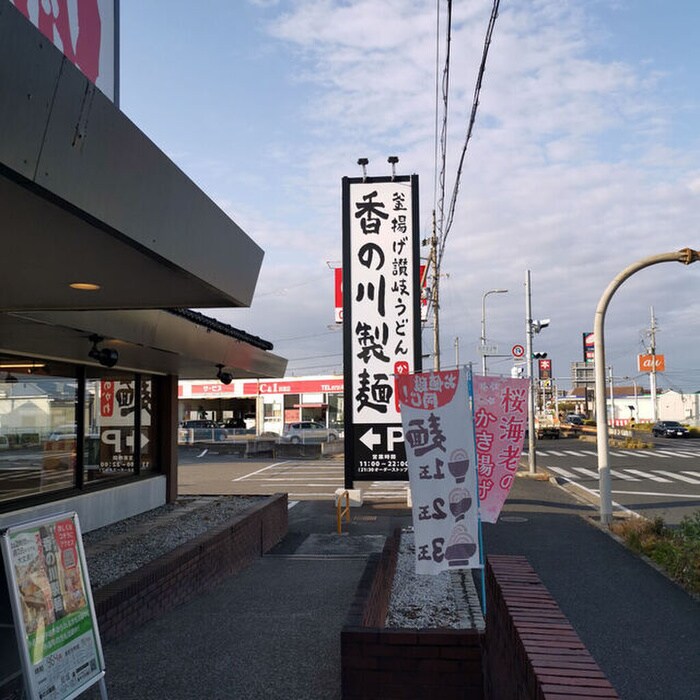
column 512, row 519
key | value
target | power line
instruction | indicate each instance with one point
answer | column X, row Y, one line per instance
column 470, row 128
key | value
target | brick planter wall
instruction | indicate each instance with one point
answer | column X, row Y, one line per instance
column 188, row 570
column 385, row 663
column 528, row 652
column 532, row 652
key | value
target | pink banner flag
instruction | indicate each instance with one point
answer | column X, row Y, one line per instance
column 438, row 429
column 500, row 422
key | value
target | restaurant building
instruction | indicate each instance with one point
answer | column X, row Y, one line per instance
column 105, row 246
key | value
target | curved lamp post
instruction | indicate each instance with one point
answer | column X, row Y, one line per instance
column 483, row 325
column 685, row 256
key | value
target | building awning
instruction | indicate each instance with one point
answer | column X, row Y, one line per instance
column 87, row 198
column 154, row 341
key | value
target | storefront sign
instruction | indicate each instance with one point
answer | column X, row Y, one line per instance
column 381, row 319
column 645, row 363
column 588, row 348
column 55, row 621
column 117, row 425
column 442, row 469
column 500, row 421
column 84, row 30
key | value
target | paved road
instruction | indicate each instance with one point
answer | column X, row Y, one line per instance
column 303, row 480
column 664, row 481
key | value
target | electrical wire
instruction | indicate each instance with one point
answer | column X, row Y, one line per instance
column 472, row 119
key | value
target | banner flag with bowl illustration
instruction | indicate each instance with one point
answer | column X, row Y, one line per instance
column 500, row 422
column 440, row 450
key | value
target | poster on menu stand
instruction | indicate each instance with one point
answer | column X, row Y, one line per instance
column 54, row 615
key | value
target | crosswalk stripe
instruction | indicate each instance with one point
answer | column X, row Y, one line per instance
column 551, row 452
column 571, row 452
column 589, row 452
column 586, row 472
column 650, row 476
column 618, row 454
column 562, row 472
column 673, row 454
column 621, row 475
column 693, row 474
column 677, row 475
column 638, row 453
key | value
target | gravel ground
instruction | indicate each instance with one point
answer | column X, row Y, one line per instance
column 118, row 549
column 448, row 599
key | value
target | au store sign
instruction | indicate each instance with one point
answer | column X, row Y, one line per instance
column 442, row 468
column 645, row 363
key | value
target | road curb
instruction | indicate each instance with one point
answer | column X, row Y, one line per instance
column 584, row 495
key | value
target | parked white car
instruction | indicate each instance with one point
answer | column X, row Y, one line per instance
column 308, row 431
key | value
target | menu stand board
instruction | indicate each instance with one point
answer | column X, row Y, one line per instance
column 55, row 622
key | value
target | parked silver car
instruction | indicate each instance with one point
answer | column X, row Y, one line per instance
column 308, row 431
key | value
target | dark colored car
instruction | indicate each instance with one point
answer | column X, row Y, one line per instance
column 201, row 431
column 574, row 419
column 669, row 428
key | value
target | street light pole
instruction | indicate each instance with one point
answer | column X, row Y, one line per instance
column 531, row 450
column 685, row 256
column 483, row 325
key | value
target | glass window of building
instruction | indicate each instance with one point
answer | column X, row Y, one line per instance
column 111, row 424
column 38, row 427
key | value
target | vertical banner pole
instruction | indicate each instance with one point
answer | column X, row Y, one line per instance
column 482, row 557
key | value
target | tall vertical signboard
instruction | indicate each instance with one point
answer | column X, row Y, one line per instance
column 381, row 320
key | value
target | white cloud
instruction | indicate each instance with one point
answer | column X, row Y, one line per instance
column 574, row 171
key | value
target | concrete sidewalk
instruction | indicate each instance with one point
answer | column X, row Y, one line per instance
column 273, row 631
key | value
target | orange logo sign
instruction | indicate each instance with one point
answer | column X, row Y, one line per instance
column 644, row 363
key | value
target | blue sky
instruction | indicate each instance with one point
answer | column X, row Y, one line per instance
column 584, row 159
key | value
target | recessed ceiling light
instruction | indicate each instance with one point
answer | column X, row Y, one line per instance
column 85, row 286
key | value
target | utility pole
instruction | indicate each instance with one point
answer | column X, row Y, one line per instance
column 652, row 374
column 531, row 449
column 612, row 395
column 435, row 299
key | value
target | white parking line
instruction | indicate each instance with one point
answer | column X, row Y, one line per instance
column 260, row 471
column 651, row 493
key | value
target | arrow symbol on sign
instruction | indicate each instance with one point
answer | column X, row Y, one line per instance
column 370, row 440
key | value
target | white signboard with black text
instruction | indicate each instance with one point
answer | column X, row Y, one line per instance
column 381, row 311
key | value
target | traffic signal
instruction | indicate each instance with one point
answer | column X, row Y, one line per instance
column 539, row 355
